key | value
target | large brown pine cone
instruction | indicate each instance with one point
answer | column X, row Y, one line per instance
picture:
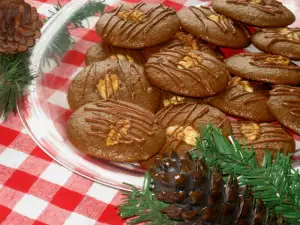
column 19, row 26
column 197, row 195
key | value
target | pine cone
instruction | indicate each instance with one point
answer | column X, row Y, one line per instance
column 19, row 26
column 198, row 195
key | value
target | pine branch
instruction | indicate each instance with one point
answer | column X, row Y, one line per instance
column 143, row 205
column 57, row 49
column 15, row 76
column 90, row 9
column 63, row 41
column 277, row 183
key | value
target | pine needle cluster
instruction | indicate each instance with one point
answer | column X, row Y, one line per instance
column 15, row 75
column 276, row 182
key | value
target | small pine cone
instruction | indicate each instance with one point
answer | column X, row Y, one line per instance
column 198, row 195
column 19, row 26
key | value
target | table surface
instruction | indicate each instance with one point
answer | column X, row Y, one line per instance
column 34, row 189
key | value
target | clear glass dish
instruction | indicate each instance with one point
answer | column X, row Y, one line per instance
column 44, row 111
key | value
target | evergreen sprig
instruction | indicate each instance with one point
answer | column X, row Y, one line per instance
column 63, row 41
column 15, row 76
column 276, row 182
column 91, row 9
column 143, row 205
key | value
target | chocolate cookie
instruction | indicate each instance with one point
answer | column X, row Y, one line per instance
column 185, row 41
column 138, row 26
column 116, row 79
column 102, row 51
column 214, row 28
column 188, row 73
column 273, row 69
column 115, row 130
column 281, row 41
column 168, row 98
column 284, row 104
column 259, row 13
column 244, row 99
column 261, row 136
column 183, row 123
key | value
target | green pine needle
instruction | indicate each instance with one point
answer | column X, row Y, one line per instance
column 143, row 206
column 91, row 9
column 277, row 183
column 15, row 76
column 63, row 41
column 57, row 49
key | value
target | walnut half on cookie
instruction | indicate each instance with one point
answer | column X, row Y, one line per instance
column 262, row 136
column 262, row 67
column 115, row 130
column 182, row 125
column 113, row 79
column 137, row 26
column 187, row 73
column 244, row 99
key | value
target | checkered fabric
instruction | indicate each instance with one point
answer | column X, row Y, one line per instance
column 36, row 190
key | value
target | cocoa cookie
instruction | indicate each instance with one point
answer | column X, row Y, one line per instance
column 187, row 73
column 116, row 79
column 259, row 13
column 138, row 26
column 185, row 41
column 244, row 99
column 115, row 130
column 284, row 104
column 273, row 69
column 168, row 98
column 102, row 51
column 261, row 136
column 281, row 41
column 182, row 124
column 214, row 28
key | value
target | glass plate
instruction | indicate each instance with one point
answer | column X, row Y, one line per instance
column 44, row 111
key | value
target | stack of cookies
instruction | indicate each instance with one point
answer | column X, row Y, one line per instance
column 158, row 76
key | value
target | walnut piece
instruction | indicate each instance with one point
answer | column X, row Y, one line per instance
column 189, row 61
column 290, row 34
column 108, row 86
column 174, row 100
column 135, row 16
column 254, row 2
column 188, row 40
column 216, row 17
column 236, row 81
column 181, row 133
column 278, row 60
column 117, row 132
column 242, row 84
column 251, row 131
column 121, row 57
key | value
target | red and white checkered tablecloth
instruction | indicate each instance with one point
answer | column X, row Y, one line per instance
column 34, row 189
